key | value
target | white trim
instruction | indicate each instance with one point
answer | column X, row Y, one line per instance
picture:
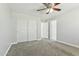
column 9, row 48
column 70, row 44
column 14, row 43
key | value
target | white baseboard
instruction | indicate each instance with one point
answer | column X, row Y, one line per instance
column 9, row 48
column 70, row 44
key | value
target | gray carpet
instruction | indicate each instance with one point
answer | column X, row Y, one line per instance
column 38, row 48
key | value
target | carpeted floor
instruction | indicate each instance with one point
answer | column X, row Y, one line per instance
column 42, row 48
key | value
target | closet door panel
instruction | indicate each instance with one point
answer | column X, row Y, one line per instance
column 32, row 28
column 44, row 30
column 22, row 30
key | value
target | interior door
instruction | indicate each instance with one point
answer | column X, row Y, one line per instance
column 53, row 30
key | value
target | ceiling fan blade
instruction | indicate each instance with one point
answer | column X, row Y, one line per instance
column 56, row 4
column 56, row 9
column 41, row 9
column 47, row 5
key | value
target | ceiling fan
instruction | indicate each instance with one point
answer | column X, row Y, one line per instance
column 50, row 7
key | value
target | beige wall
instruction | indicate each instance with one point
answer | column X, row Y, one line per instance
column 68, row 27
column 7, row 28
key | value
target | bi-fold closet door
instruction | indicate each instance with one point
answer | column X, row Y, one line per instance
column 28, row 29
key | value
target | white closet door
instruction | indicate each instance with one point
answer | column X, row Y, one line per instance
column 27, row 30
column 53, row 30
column 32, row 30
column 22, row 30
column 44, row 30
column 38, row 31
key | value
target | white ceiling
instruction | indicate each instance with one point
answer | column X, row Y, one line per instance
column 30, row 9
